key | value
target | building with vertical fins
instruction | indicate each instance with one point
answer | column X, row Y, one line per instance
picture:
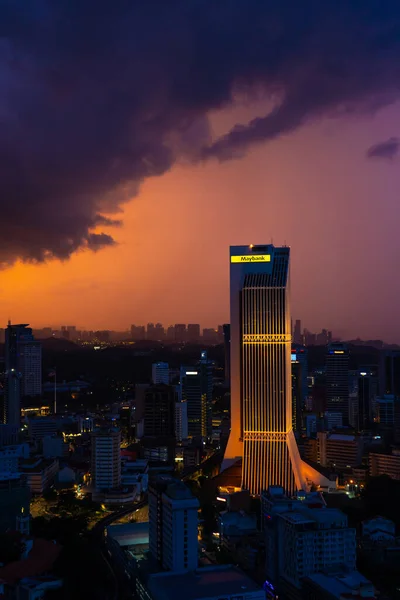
column 261, row 400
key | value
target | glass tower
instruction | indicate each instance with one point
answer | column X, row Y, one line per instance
column 261, row 399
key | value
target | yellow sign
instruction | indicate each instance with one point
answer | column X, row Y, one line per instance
column 339, row 351
column 251, row 258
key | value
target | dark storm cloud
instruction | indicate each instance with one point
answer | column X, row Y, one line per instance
column 95, row 97
column 386, row 150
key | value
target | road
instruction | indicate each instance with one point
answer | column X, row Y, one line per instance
column 97, row 535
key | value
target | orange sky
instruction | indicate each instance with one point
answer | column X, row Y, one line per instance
column 314, row 190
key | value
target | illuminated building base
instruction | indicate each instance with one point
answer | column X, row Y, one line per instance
column 271, row 459
column 279, row 463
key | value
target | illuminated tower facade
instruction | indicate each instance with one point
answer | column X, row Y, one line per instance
column 261, row 408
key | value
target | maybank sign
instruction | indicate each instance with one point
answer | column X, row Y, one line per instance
column 251, row 258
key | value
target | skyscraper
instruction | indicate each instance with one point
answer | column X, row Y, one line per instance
column 23, row 362
column 261, row 410
column 196, row 390
column 337, row 380
column 389, row 372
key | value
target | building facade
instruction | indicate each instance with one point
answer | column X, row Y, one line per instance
column 160, row 373
column 106, row 459
column 196, row 385
column 261, row 408
column 337, row 380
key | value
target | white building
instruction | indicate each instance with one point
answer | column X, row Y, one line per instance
column 173, row 524
column 160, row 373
column 304, row 537
column 180, row 522
column 106, row 459
column 181, row 420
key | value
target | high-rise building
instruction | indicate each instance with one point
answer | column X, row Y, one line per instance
column 299, row 360
column 363, row 390
column 138, row 332
column 155, row 333
column 196, row 386
column 180, row 332
column 23, row 363
column 181, row 420
column 193, row 333
column 227, row 352
column 297, row 335
column 261, row 409
column 106, row 459
column 337, row 380
column 389, row 372
column 172, row 524
column 30, row 359
column 159, row 411
column 160, row 373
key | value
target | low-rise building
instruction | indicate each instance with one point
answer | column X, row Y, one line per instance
column 385, row 464
column 379, row 529
column 303, row 537
column 209, row 583
column 321, row 586
column 40, row 473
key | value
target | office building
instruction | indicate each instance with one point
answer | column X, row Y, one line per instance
column 23, row 370
column 40, row 427
column 261, row 409
column 385, row 406
column 196, row 385
column 389, row 373
column 337, row 380
column 173, row 524
column 181, row 420
column 303, row 537
column 106, row 460
column 160, row 373
column 363, row 389
column 159, row 411
column 227, row 352
column 193, row 333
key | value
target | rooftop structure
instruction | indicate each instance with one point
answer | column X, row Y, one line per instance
column 208, row 583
